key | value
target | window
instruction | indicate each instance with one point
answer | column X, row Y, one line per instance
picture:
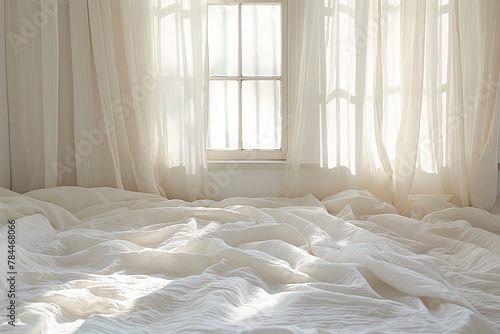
column 247, row 80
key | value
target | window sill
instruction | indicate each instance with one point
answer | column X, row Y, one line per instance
column 246, row 164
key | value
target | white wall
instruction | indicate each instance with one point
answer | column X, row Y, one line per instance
column 4, row 121
column 245, row 179
column 256, row 182
column 498, row 185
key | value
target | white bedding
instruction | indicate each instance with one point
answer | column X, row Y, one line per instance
column 111, row 261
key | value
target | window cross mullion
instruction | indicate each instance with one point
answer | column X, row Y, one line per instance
column 240, row 74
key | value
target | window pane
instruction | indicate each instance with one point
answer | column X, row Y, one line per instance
column 223, row 115
column 223, row 40
column 261, row 39
column 261, row 123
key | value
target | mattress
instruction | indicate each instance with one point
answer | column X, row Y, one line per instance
column 112, row 261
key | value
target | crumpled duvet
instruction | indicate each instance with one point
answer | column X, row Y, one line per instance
column 111, row 261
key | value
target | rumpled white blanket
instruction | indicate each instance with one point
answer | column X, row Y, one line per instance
column 110, row 261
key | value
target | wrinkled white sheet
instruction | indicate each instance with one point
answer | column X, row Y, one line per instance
column 110, row 261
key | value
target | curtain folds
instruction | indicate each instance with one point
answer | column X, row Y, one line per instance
column 397, row 97
column 93, row 103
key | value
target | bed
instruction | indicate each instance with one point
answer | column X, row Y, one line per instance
column 111, row 261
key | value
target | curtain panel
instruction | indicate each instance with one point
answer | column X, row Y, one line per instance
column 98, row 98
column 397, row 97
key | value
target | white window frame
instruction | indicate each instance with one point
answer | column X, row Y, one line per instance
column 259, row 154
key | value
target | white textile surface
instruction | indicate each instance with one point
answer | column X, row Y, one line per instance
column 110, row 261
column 397, row 97
column 108, row 94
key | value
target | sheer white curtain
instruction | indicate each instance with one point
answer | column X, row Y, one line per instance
column 92, row 103
column 181, row 40
column 396, row 97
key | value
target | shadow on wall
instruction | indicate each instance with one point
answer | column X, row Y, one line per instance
column 4, row 116
column 498, row 182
